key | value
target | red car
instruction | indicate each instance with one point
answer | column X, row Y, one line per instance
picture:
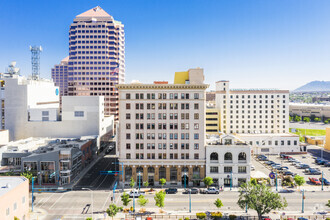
column 315, row 181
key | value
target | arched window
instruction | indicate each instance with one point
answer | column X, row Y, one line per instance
column 214, row 156
column 184, row 170
column 242, row 156
column 162, row 172
column 173, row 174
column 151, row 170
column 128, row 173
column 228, row 156
column 139, row 169
column 196, row 173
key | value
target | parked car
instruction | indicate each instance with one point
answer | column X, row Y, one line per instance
column 302, row 218
column 275, row 164
column 303, row 166
column 171, row 191
column 288, row 173
column 325, row 181
column 321, row 161
column 283, row 168
column 314, row 172
column 135, row 193
column 211, row 190
column 314, row 181
column 269, row 162
column 327, row 164
column 253, row 167
column 193, row 191
column 286, row 191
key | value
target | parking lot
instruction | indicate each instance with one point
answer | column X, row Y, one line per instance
column 304, row 159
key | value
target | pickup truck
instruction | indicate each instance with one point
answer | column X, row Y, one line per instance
column 211, row 190
column 136, row 193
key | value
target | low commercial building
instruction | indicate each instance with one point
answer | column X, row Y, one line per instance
column 315, row 140
column 14, row 198
column 52, row 161
column 321, row 111
column 272, row 143
column 228, row 160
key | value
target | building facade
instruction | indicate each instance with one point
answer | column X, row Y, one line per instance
column 212, row 121
column 272, row 143
column 310, row 110
column 228, row 160
column 252, row 111
column 51, row 161
column 60, row 76
column 14, row 197
column 96, row 57
column 162, row 130
column 30, row 108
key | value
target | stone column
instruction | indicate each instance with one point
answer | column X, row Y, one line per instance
column 179, row 175
column 190, row 175
column 145, row 173
column 156, row 177
column 121, row 176
column 202, row 173
column 134, row 173
column 168, row 176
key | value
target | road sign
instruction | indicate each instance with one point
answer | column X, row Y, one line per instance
column 115, row 186
column 272, row 175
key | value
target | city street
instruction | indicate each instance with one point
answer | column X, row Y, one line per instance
column 93, row 180
column 61, row 205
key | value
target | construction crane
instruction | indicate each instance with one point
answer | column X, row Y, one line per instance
column 35, row 61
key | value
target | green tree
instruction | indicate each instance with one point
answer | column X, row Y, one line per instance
column 260, row 198
column 15, row 218
column 290, row 118
column 113, row 210
column 307, row 119
column 326, row 121
column 208, row 181
column 89, row 218
column 160, row 198
column 328, row 204
column 162, row 182
column 218, row 203
column 28, row 175
column 300, row 180
column 125, row 199
column 142, row 201
column 317, row 119
column 297, row 118
column 132, row 183
column 253, row 181
column 146, row 183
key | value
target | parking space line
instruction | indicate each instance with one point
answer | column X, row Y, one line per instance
column 109, row 196
column 47, row 200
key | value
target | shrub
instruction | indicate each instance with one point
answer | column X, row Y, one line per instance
column 232, row 217
column 186, row 218
column 201, row 215
column 216, row 215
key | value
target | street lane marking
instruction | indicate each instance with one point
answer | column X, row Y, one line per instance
column 47, row 200
column 106, row 200
column 51, row 208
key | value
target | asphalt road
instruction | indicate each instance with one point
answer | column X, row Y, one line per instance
column 93, row 180
column 62, row 206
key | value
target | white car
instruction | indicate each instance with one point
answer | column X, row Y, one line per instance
column 136, row 193
column 253, row 167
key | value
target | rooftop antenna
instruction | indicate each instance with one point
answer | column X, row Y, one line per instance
column 35, row 61
column 12, row 69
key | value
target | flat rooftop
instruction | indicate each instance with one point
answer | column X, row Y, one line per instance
column 268, row 135
column 8, row 183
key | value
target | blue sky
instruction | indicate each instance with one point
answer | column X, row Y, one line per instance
column 253, row 43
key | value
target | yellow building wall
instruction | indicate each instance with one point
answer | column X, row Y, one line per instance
column 181, row 77
column 214, row 115
column 327, row 139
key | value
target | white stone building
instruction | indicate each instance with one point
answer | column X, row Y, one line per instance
column 228, row 160
column 252, row 111
column 272, row 143
column 162, row 130
column 30, row 108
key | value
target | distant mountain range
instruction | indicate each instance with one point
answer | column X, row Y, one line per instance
column 314, row 86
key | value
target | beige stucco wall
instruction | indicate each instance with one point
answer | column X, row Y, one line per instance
column 15, row 196
column 327, row 139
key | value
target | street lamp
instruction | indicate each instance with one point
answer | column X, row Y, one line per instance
column 32, row 191
column 322, row 180
column 189, row 200
column 92, row 201
column 139, row 180
column 231, row 179
column 302, row 201
column 122, row 171
column 185, row 176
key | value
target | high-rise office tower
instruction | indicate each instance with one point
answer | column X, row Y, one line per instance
column 96, row 57
column 60, row 76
